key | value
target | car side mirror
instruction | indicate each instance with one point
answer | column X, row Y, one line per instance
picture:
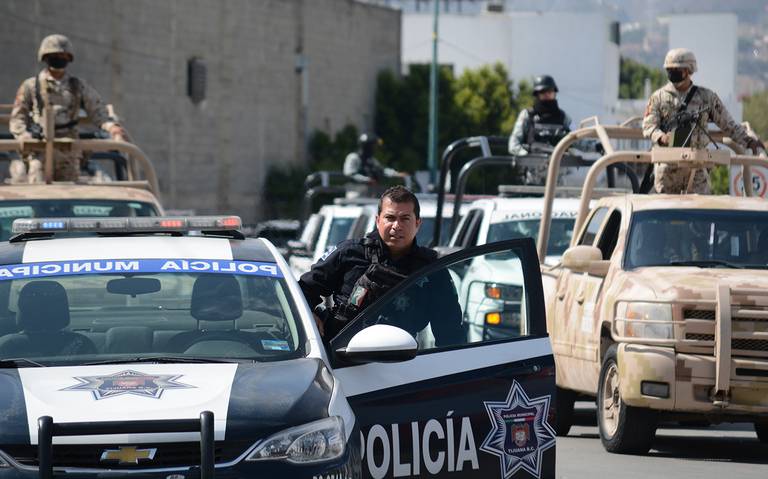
column 586, row 259
column 380, row 343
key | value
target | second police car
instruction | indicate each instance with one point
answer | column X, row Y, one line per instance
column 128, row 346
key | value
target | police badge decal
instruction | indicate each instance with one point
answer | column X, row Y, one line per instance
column 520, row 432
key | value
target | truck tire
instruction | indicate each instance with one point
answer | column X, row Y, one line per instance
column 761, row 429
column 623, row 429
column 564, row 400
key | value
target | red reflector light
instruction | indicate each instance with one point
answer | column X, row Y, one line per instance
column 172, row 223
column 230, row 221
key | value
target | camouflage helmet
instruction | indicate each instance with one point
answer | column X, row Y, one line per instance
column 55, row 43
column 680, row 58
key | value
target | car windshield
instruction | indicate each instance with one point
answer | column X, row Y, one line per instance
column 560, row 233
column 427, row 230
column 339, row 230
column 703, row 238
column 67, row 313
column 62, row 208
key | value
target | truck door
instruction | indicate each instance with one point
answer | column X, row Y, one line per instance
column 461, row 407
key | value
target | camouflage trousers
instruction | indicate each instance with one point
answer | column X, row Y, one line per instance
column 675, row 179
column 66, row 167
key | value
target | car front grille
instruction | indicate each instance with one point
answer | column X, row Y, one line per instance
column 167, row 455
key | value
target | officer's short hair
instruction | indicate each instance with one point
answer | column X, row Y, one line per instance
column 400, row 194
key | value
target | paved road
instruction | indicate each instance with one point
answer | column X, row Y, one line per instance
column 729, row 451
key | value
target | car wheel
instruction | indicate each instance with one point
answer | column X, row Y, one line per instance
column 623, row 429
column 564, row 400
column 761, row 429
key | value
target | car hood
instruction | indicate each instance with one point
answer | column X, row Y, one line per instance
column 499, row 271
column 248, row 401
column 687, row 283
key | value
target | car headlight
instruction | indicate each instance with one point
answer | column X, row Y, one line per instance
column 645, row 320
column 504, row 292
column 317, row 441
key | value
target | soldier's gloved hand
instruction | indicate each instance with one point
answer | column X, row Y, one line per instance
column 118, row 133
column 755, row 144
column 522, row 152
column 664, row 139
column 25, row 136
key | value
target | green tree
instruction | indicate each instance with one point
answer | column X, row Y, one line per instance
column 756, row 113
column 632, row 77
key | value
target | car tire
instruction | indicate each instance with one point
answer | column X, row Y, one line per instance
column 761, row 429
column 564, row 401
column 623, row 429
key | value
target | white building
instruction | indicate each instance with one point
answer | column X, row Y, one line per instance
column 580, row 50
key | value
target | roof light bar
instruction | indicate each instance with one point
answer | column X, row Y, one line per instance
column 127, row 225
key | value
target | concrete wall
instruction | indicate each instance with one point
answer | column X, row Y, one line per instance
column 259, row 108
column 575, row 48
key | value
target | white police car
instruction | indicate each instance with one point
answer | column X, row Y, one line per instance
column 134, row 348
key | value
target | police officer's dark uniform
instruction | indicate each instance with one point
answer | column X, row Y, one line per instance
column 359, row 271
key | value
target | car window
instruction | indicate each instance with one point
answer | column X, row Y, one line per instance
column 560, row 232
column 704, row 238
column 338, row 231
column 427, row 230
column 482, row 298
column 610, row 235
column 63, row 208
column 137, row 307
column 464, row 226
column 593, row 227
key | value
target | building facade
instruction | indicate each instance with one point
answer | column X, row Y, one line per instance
column 267, row 74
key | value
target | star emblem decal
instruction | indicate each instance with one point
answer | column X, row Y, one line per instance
column 520, row 432
column 128, row 382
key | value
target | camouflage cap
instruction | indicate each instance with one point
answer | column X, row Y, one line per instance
column 680, row 58
column 55, row 43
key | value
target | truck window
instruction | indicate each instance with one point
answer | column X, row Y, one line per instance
column 610, row 236
column 593, row 227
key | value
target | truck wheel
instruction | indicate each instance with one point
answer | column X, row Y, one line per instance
column 623, row 429
column 564, row 411
column 761, row 429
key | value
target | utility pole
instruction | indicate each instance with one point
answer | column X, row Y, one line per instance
column 432, row 158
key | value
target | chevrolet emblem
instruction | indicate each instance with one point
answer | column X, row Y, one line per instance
column 128, row 455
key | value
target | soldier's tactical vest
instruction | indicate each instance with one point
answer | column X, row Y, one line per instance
column 548, row 129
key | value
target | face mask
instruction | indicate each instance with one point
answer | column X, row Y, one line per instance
column 675, row 76
column 57, row 63
column 545, row 106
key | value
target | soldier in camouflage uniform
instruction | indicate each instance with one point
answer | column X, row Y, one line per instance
column 67, row 95
column 680, row 64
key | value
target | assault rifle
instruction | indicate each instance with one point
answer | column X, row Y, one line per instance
column 683, row 119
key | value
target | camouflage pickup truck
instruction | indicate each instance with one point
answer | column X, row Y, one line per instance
column 659, row 308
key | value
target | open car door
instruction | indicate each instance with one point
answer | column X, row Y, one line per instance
column 466, row 405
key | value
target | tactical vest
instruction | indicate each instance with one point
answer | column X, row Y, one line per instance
column 77, row 88
column 370, row 286
column 548, row 129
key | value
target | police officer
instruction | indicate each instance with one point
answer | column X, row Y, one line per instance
column 364, row 169
column 702, row 105
column 545, row 124
column 66, row 94
column 357, row 272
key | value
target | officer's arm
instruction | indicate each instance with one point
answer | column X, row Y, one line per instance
column 95, row 107
column 517, row 137
column 352, row 165
column 446, row 317
column 652, row 120
column 21, row 112
column 323, row 279
column 720, row 116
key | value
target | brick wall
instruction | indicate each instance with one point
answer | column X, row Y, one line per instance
column 213, row 156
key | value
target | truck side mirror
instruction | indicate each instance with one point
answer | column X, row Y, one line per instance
column 585, row 259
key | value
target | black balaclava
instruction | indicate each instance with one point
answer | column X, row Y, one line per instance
column 57, row 63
